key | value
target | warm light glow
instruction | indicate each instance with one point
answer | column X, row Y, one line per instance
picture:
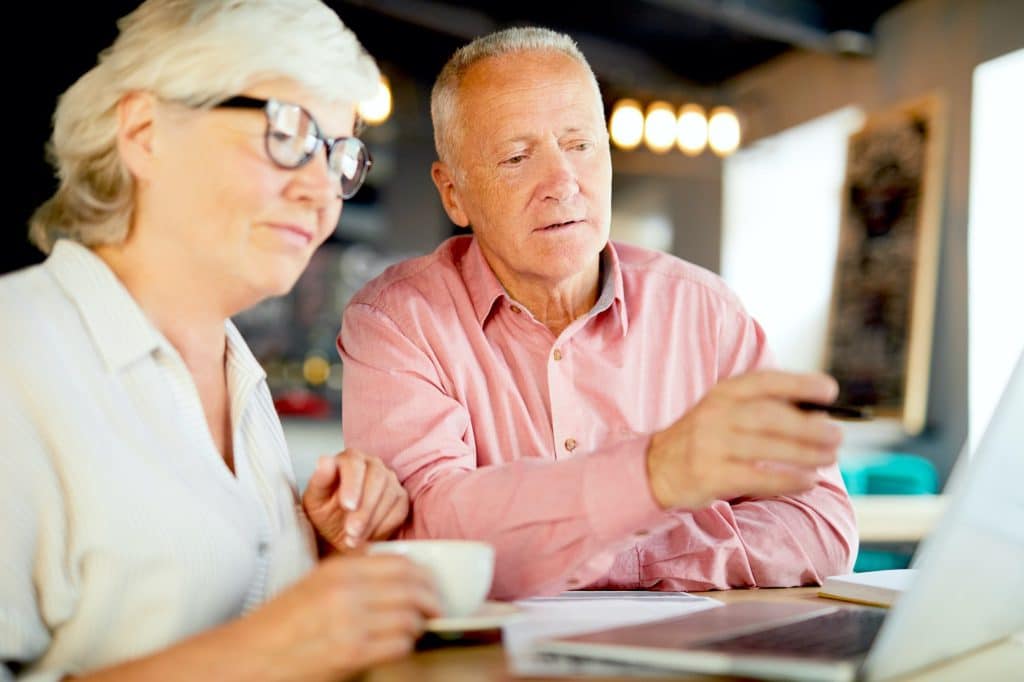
column 660, row 127
column 315, row 370
column 627, row 124
column 723, row 131
column 376, row 110
column 692, row 130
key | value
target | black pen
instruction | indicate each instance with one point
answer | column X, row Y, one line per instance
column 835, row 410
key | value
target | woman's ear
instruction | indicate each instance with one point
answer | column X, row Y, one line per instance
column 450, row 198
column 135, row 130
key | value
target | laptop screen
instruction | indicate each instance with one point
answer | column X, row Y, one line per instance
column 969, row 590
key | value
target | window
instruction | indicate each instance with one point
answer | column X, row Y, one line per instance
column 995, row 241
column 781, row 212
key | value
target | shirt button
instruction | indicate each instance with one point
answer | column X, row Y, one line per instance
column 263, row 548
column 557, row 355
column 570, row 444
column 516, row 309
column 641, row 533
column 572, row 582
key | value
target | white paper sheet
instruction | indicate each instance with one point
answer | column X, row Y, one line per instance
column 585, row 611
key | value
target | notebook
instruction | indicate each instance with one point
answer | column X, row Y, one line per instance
column 875, row 588
column 967, row 591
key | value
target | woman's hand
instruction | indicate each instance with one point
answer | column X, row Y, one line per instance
column 349, row 613
column 352, row 498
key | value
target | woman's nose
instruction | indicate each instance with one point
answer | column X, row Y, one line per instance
column 315, row 181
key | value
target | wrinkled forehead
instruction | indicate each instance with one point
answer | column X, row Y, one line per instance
column 510, row 95
column 518, row 71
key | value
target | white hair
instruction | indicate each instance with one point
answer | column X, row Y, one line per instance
column 444, row 95
column 197, row 52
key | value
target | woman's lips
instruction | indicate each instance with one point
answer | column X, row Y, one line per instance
column 293, row 233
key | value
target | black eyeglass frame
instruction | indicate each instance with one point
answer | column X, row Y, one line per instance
column 265, row 105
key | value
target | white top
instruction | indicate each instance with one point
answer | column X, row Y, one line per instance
column 121, row 528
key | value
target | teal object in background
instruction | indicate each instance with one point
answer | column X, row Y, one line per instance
column 869, row 559
column 887, row 473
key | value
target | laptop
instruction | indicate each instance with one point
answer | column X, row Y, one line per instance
column 968, row 592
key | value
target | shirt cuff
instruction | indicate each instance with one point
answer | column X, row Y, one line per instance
column 617, row 495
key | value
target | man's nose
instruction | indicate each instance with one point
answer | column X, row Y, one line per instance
column 560, row 180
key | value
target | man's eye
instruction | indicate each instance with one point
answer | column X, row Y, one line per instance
column 581, row 146
column 514, row 160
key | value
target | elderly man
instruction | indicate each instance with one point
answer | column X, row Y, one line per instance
column 605, row 415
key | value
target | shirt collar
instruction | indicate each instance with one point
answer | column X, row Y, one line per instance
column 242, row 365
column 120, row 330
column 613, row 293
column 484, row 287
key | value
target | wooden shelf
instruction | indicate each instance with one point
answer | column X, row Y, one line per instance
column 896, row 518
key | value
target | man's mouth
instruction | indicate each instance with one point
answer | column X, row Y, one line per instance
column 556, row 226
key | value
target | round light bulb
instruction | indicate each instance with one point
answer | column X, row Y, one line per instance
column 660, row 127
column 692, row 130
column 377, row 109
column 315, row 370
column 626, row 125
column 723, row 131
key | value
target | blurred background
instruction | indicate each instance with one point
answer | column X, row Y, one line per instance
column 732, row 121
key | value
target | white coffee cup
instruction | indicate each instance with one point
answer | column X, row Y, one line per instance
column 462, row 569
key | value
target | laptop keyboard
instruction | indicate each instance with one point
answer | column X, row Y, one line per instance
column 844, row 633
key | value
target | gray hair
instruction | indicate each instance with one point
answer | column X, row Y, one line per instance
column 444, row 95
column 196, row 52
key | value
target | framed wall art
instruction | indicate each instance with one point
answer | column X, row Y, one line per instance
column 883, row 296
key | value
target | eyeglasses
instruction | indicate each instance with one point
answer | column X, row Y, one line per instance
column 293, row 137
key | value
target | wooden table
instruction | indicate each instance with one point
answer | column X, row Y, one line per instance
column 484, row 661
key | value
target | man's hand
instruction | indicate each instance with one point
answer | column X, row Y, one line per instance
column 745, row 437
column 352, row 498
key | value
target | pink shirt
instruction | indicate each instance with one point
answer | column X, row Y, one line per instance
column 502, row 432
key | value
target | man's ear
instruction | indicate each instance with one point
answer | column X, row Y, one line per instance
column 444, row 180
column 135, row 130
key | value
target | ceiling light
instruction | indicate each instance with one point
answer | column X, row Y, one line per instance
column 660, row 127
column 723, row 131
column 627, row 124
column 376, row 110
column 692, row 129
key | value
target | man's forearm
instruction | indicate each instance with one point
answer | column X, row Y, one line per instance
column 548, row 520
column 774, row 542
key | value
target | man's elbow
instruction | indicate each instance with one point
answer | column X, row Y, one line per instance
column 840, row 541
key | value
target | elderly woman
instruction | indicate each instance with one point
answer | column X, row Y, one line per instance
column 150, row 525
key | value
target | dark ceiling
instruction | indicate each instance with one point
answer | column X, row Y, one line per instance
column 642, row 43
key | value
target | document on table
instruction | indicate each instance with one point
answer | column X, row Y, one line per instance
column 584, row 611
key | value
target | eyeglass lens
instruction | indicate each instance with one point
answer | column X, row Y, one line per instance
column 293, row 137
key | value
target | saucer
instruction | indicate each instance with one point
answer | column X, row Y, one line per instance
column 493, row 614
